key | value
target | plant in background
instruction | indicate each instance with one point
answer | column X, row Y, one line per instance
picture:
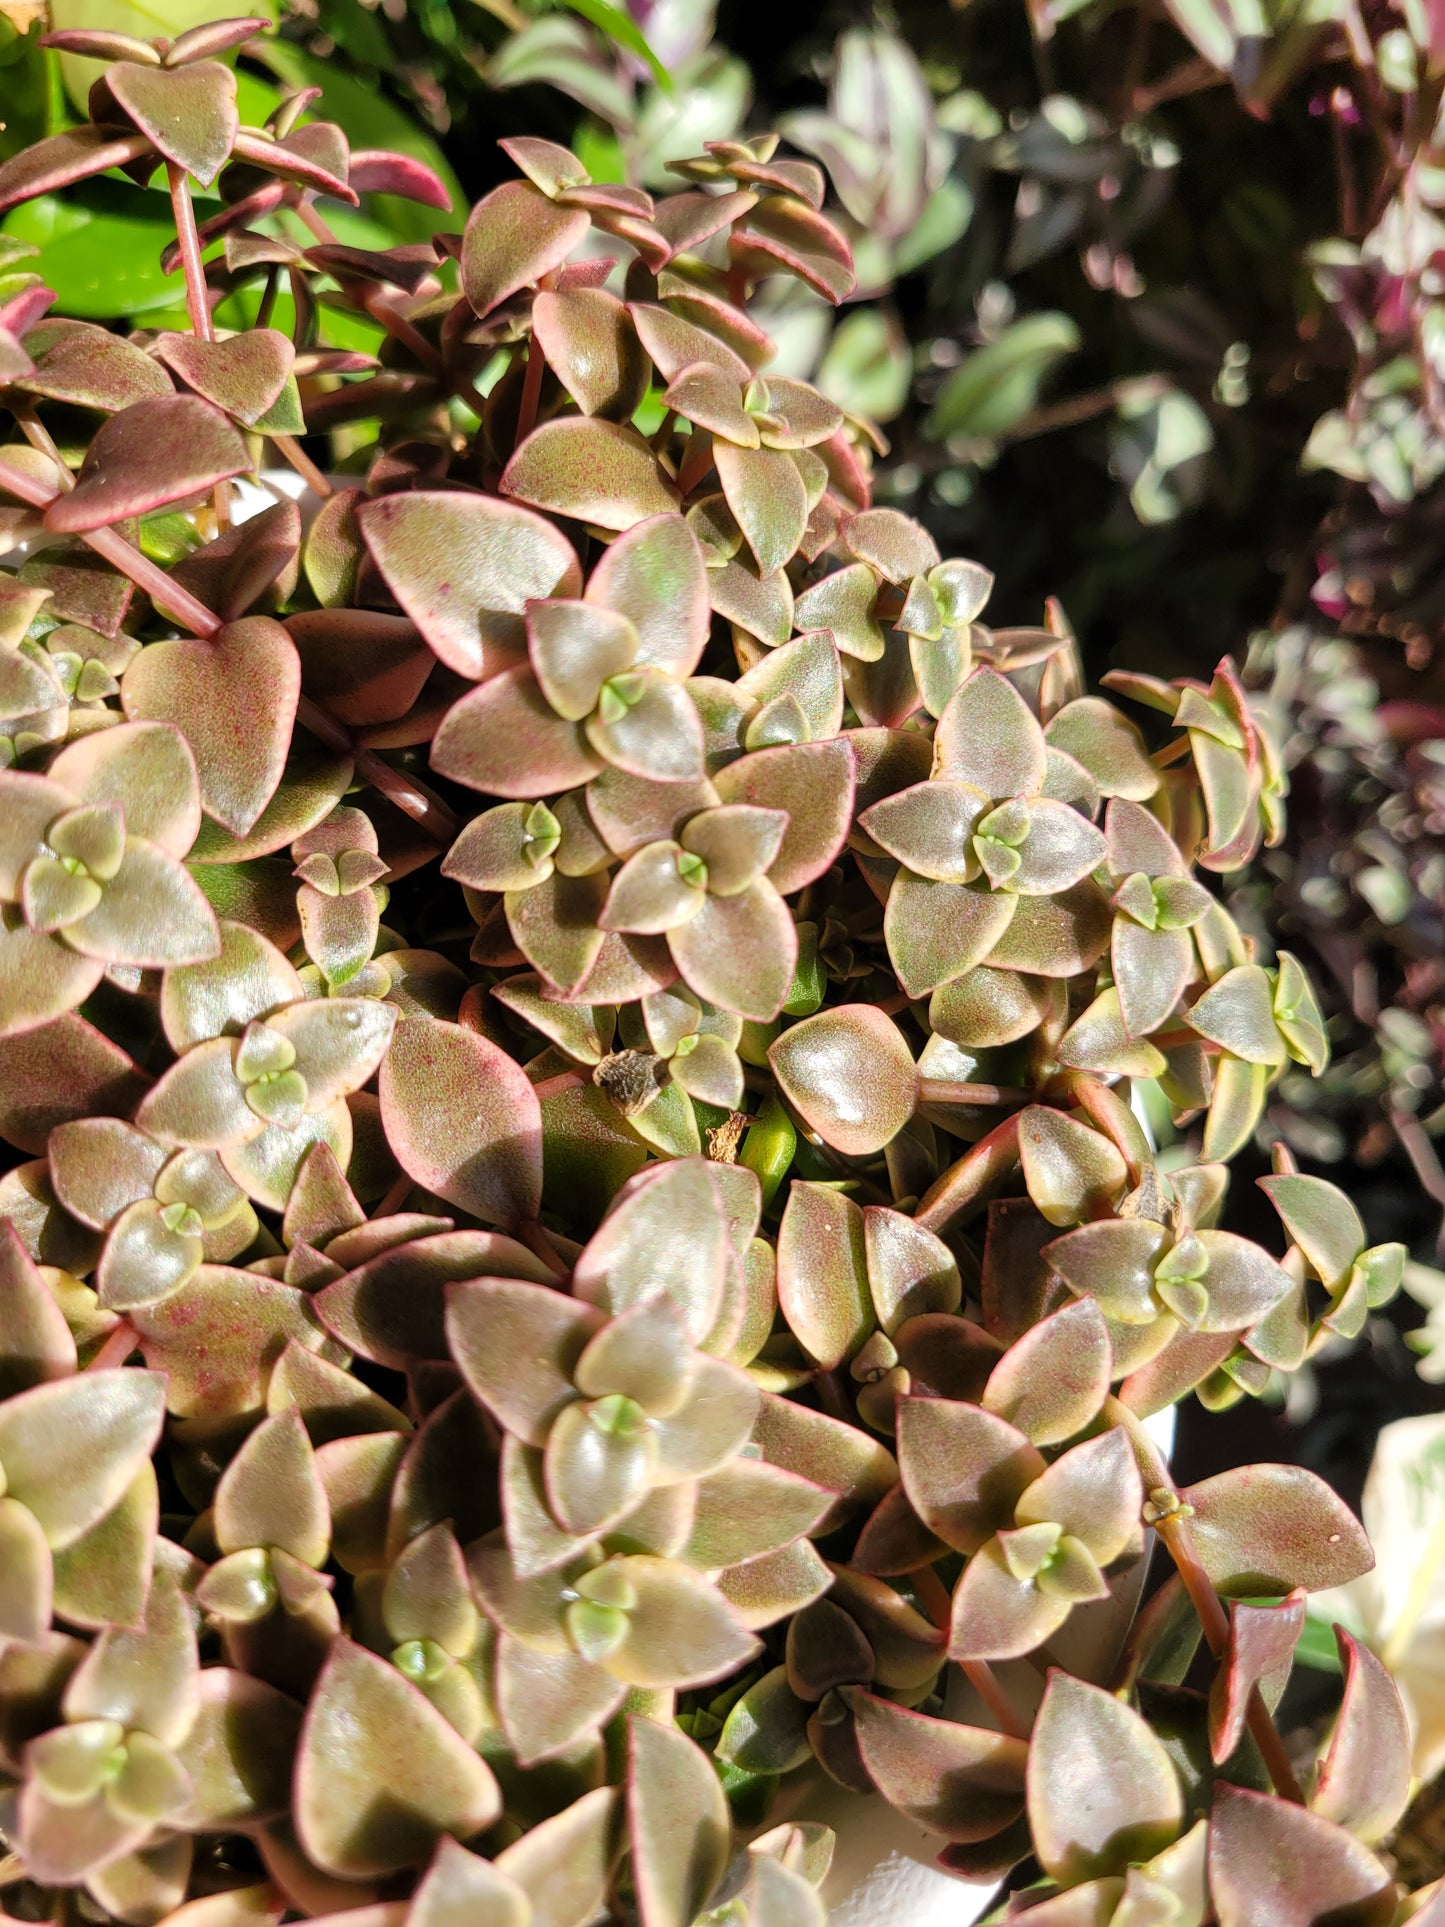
column 574, row 1017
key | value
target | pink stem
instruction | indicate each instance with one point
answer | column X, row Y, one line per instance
column 197, row 305
column 116, row 1349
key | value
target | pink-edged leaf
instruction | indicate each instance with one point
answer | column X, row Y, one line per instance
column 1270, row 1528
column 189, row 113
column 1055, row 1379
column 242, row 377
column 464, row 568
column 963, row 1469
column 1364, row 1778
column 155, row 452
column 850, row 1074
column 963, row 1782
column 814, row 783
column 1261, row 1647
column 654, row 576
column 739, row 952
column 598, row 471
column 38, row 1343
column 235, row 571
column 290, row 162
column 513, row 237
column 463, row 1120
column 380, row 1775
column 592, row 348
column 1272, row 1864
column 782, row 233
column 50, row 165
column 365, row 668
column 65, row 1070
column 378, row 171
column 1101, row 1788
column 233, row 696
column 679, row 1819
column 767, row 495
column 823, row 1273
column 506, row 739
column 93, row 369
column 211, row 38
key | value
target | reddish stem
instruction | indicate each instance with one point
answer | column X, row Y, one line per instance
column 936, row 1603
column 946, row 1090
column 554, row 1086
column 197, row 305
column 531, row 391
column 395, row 1197
column 169, row 597
column 1174, row 1531
column 116, row 1349
column 696, row 461
column 189, row 242
column 290, row 450
column 408, row 793
column 39, row 438
column 534, row 1236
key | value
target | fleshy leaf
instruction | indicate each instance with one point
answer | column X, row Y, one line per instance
column 1270, row 1528
column 153, row 453
column 1273, row 1864
column 464, row 567
column 1101, row 1789
column 72, row 1446
column 234, row 698
column 380, row 1775
column 598, row 471
column 463, row 1120
column 678, row 1814
column 851, row 1076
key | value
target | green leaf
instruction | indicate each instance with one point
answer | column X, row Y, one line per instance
column 100, row 249
column 622, row 29
column 992, row 390
column 867, row 368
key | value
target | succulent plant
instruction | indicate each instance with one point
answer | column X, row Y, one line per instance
column 574, row 1019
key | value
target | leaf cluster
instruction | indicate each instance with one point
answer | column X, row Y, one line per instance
column 572, row 1017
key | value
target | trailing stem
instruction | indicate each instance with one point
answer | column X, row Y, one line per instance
column 1174, row 1531
column 979, row 1674
column 197, row 304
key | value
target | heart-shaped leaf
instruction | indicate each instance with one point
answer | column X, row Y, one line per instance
column 189, row 113
column 234, row 698
column 243, row 376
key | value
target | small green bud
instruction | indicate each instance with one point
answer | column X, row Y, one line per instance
column 421, row 1660
column 619, row 1417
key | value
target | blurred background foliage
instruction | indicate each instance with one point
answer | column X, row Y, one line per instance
column 1151, row 309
